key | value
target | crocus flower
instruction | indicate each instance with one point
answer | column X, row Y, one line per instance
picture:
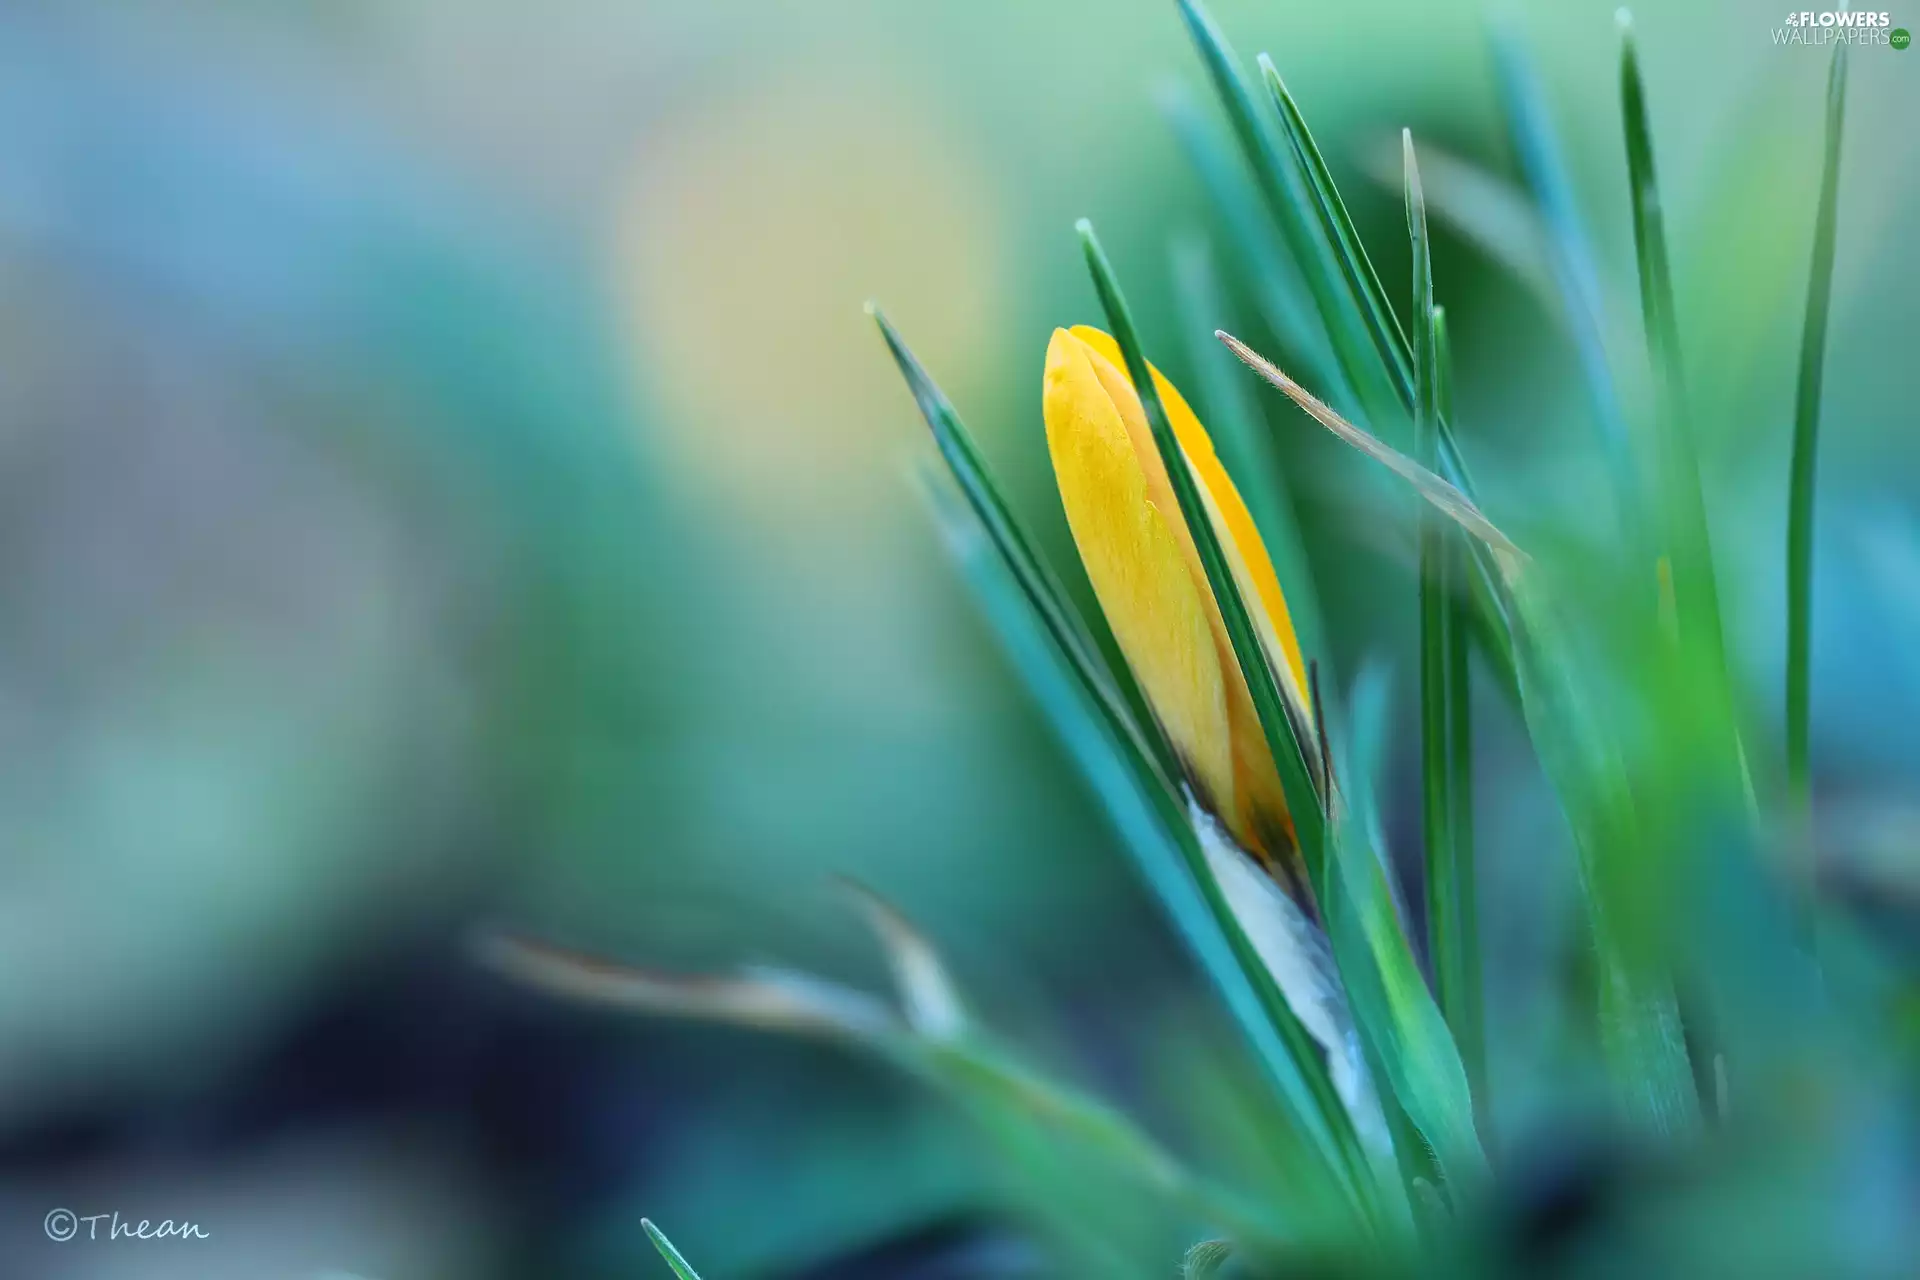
column 1146, row 572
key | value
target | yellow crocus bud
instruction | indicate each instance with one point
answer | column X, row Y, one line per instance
column 1146, row 572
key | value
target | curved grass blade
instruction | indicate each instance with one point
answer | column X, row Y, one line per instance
column 1683, row 506
column 681, row 1267
column 1278, row 289
column 1076, row 688
column 1571, row 258
column 1640, row 1029
column 1389, row 341
column 1155, row 833
column 968, row 1065
column 766, row 1000
column 1288, row 738
column 1036, row 578
column 1242, row 436
column 1449, row 870
column 1288, row 199
column 1806, row 437
column 1462, row 994
column 1207, row 1260
column 1442, row 493
column 1413, row 1051
column 929, row 1000
column 1482, row 207
column 1640, row 1024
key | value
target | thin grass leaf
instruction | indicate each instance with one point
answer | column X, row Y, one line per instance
column 1372, row 350
column 1383, row 330
column 987, row 1076
column 1241, row 434
column 1464, row 1002
column 928, row 998
column 1036, row 578
column 1640, row 1029
column 1806, row 439
column 1207, row 1260
column 1393, row 356
column 968, row 1065
column 768, row 1000
column 1640, row 1026
column 1448, row 872
column 1570, row 255
column 1288, row 738
column 1683, row 505
column 1071, row 684
column 1483, row 208
column 1269, row 270
column 1448, row 499
column 1283, row 186
column 681, row 1267
column 1413, row 1049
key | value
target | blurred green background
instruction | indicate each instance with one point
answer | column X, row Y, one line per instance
column 446, row 476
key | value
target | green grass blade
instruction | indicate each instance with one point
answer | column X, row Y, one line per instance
column 1157, row 834
column 1388, row 340
column 1448, row 873
column 1002, row 1085
column 1283, row 187
column 1207, row 1260
column 1806, row 435
column 1273, row 277
column 1683, row 506
column 1391, row 355
column 1241, row 436
column 1571, row 259
column 1413, row 1052
column 1640, row 1029
column 1465, row 1009
column 681, row 1267
column 1290, row 742
column 1079, row 692
column 1037, row 580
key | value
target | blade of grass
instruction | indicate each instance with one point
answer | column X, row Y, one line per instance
column 1497, row 216
column 1368, row 343
column 1414, row 1053
column 1640, row 1025
column 1683, row 506
column 1148, row 802
column 1273, row 277
column 1448, row 869
column 1164, row 849
column 1442, row 493
column 1393, row 356
column 1288, row 201
column 1571, row 259
column 1289, row 741
column 1241, row 434
column 681, row 1267
column 969, row 1065
column 1388, row 340
column 1806, row 437
column 1037, row 580
column 1466, row 1013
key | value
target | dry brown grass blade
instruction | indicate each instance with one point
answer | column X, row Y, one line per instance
column 1445, row 497
column 773, row 1000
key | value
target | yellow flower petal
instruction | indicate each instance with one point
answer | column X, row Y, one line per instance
column 1252, row 567
column 1137, row 566
column 1254, row 805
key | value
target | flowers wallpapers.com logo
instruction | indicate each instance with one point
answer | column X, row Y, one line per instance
column 1846, row 27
